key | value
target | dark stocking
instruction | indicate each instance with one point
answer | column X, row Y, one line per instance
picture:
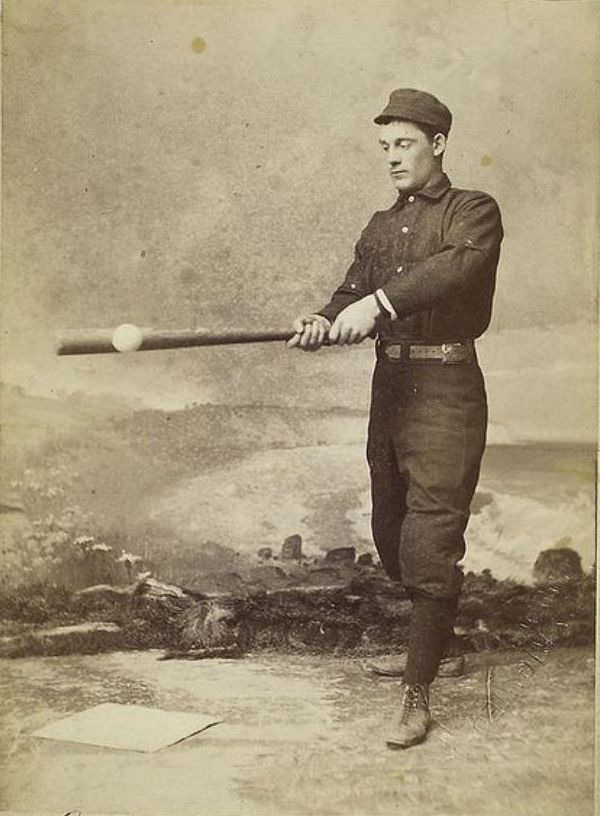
column 430, row 630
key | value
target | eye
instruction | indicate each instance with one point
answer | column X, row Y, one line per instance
column 385, row 147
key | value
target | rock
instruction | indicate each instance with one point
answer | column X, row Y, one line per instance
column 150, row 587
column 324, row 576
column 218, row 582
column 557, row 565
column 268, row 576
column 364, row 560
column 106, row 593
column 106, row 598
column 78, row 629
column 297, row 573
column 341, row 556
column 83, row 638
column 265, row 553
column 291, row 549
column 210, row 624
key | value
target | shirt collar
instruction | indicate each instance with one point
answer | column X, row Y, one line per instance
column 436, row 189
column 432, row 191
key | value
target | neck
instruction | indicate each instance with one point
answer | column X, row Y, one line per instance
column 434, row 177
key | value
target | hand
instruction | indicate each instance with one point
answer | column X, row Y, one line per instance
column 355, row 322
column 311, row 332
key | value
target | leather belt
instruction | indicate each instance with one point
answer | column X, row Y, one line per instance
column 420, row 351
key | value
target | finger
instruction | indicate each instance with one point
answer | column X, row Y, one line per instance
column 349, row 334
column 298, row 325
column 315, row 342
column 293, row 341
column 334, row 332
column 305, row 338
column 340, row 339
column 317, row 333
column 321, row 336
column 310, row 335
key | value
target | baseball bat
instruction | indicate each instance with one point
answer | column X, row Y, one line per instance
column 130, row 338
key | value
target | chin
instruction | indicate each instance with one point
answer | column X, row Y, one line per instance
column 404, row 185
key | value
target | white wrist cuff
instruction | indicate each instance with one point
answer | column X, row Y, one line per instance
column 386, row 302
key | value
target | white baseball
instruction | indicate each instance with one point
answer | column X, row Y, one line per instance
column 127, row 337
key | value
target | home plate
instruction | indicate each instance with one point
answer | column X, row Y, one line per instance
column 128, row 727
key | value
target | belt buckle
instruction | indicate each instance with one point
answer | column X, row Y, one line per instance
column 456, row 352
column 393, row 351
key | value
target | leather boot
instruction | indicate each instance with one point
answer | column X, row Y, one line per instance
column 410, row 726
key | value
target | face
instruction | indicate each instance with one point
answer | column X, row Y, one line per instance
column 412, row 157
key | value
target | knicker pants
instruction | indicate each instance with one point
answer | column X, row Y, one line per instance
column 426, row 437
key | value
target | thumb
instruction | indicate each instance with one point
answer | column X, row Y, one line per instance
column 298, row 324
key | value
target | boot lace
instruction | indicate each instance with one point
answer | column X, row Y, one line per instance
column 415, row 698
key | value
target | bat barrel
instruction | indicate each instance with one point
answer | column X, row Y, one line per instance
column 100, row 341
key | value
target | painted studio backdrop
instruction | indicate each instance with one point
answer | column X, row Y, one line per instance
column 189, row 164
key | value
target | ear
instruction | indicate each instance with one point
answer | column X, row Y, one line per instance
column 439, row 144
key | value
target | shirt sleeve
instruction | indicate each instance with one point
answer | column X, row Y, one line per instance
column 470, row 248
column 354, row 287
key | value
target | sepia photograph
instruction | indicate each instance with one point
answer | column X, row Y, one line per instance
column 299, row 407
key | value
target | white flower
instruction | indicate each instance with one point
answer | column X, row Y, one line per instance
column 128, row 558
column 82, row 540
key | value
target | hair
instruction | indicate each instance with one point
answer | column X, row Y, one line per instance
column 429, row 130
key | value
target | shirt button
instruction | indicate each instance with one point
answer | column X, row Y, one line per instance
column 411, row 198
column 352, row 286
column 404, row 229
column 399, row 269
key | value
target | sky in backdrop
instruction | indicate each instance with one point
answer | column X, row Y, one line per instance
column 185, row 164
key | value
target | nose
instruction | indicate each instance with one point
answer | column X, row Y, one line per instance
column 394, row 157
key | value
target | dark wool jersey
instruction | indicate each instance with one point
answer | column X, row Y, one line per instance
column 434, row 254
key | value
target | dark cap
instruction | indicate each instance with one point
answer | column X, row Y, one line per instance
column 416, row 106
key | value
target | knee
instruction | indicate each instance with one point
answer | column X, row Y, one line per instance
column 431, row 573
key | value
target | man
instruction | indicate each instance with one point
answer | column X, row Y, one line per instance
column 422, row 282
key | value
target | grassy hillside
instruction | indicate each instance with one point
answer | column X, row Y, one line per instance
column 80, row 468
column 97, row 438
